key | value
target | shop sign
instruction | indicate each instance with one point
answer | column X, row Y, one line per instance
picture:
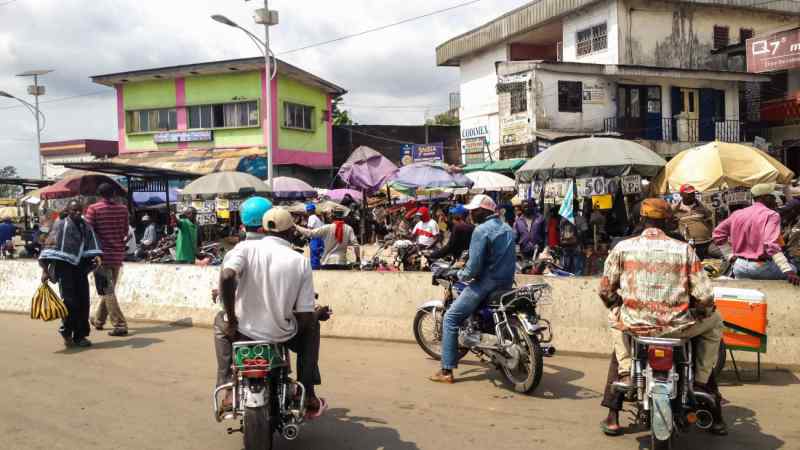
column 225, row 204
column 594, row 95
column 475, row 132
column 556, row 188
column 631, row 184
column 474, row 150
column 422, row 152
column 514, row 130
column 168, row 137
column 780, row 51
column 207, row 219
column 589, row 187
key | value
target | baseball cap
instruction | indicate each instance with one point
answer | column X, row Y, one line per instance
column 310, row 207
column 458, row 210
column 277, row 220
column 481, row 201
column 687, row 189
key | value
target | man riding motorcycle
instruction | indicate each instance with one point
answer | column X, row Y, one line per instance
column 491, row 266
column 656, row 286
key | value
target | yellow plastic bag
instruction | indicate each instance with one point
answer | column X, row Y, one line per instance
column 46, row 305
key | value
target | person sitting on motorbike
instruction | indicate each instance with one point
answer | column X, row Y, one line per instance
column 460, row 235
column 655, row 286
column 426, row 231
column 336, row 237
column 491, row 266
column 268, row 294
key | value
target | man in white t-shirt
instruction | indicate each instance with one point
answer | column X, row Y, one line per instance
column 426, row 231
column 268, row 294
column 316, row 246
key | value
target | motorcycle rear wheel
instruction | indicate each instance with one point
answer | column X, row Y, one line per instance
column 531, row 358
column 427, row 336
column 257, row 429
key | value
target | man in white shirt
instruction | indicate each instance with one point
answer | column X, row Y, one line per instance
column 337, row 237
column 426, row 231
column 316, row 246
column 268, row 294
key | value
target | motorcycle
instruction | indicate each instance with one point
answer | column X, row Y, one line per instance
column 663, row 389
column 506, row 330
column 266, row 399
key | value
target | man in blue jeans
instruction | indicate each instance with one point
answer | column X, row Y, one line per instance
column 491, row 266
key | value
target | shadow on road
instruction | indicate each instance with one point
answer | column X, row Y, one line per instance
column 744, row 433
column 555, row 384
column 772, row 377
column 163, row 328
column 132, row 342
column 337, row 430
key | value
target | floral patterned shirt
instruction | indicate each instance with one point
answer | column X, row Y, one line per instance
column 656, row 278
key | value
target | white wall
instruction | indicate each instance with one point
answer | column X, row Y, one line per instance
column 594, row 15
column 546, row 103
column 51, row 170
column 479, row 93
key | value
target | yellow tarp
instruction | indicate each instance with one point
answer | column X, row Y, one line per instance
column 720, row 165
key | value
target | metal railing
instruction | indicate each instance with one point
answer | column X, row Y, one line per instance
column 681, row 130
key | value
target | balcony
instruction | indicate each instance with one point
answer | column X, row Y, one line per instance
column 682, row 130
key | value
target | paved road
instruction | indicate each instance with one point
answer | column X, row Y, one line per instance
column 151, row 390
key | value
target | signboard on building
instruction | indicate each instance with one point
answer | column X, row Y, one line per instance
column 475, row 132
column 412, row 153
column 474, row 150
column 514, row 130
column 168, row 137
column 779, row 51
column 594, row 95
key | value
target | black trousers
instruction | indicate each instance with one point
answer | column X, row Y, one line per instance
column 73, row 283
column 305, row 344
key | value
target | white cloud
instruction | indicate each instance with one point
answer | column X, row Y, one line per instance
column 80, row 38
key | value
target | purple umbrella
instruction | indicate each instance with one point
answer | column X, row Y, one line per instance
column 291, row 188
column 367, row 170
column 430, row 175
column 338, row 194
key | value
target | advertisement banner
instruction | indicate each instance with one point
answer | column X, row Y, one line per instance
column 183, row 136
column 780, row 51
column 428, row 152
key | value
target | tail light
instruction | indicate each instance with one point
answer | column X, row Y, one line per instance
column 660, row 358
column 255, row 368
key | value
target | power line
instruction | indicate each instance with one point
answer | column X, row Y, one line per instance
column 7, row 2
column 382, row 27
column 62, row 99
column 395, row 107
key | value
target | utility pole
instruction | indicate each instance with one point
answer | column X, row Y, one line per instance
column 267, row 19
column 36, row 91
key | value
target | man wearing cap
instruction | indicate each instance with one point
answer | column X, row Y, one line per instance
column 529, row 228
column 316, row 245
column 268, row 294
column 694, row 221
column 750, row 240
column 337, row 237
column 150, row 236
column 460, row 235
column 426, row 231
column 491, row 266
column 655, row 286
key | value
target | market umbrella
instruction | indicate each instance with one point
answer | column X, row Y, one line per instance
column 322, row 207
column 289, row 188
column 338, row 194
column 367, row 170
column 81, row 185
column 491, row 182
column 594, row 156
column 427, row 175
column 224, row 183
column 721, row 165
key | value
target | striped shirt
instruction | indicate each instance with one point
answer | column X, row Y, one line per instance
column 110, row 223
column 657, row 278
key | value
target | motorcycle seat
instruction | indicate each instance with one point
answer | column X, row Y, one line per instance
column 494, row 297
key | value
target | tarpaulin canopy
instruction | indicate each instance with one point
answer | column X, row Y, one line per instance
column 430, row 175
column 594, row 156
column 721, row 165
column 289, row 188
column 224, row 183
column 338, row 194
column 322, row 207
column 505, row 165
column 491, row 182
column 474, row 167
column 367, row 170
column 83, row 185
column 195, row 161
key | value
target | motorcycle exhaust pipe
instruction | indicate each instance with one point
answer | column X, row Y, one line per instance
column 704, row 419
column 290, row 432
column 548, row 350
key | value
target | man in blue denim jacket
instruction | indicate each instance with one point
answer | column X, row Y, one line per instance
column 491, row 266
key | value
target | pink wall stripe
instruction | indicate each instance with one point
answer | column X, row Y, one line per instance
column 263, row 107
column 275, row 118
column 121, row 118
column 180, row 103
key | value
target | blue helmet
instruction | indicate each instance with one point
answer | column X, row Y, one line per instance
column 253, row 210
column 310, row 208
column 458, row 210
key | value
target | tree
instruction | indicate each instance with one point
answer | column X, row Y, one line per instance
column 443, row 119
column 6, row 190
column 340, row 116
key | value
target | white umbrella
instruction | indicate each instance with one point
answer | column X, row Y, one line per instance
column 221, row 183
column 491, row 182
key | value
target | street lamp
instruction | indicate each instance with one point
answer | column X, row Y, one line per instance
column 35, row 90
column 267, row 18
column 40, row 125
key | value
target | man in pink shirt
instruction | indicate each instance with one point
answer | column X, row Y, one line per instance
column 750, row 240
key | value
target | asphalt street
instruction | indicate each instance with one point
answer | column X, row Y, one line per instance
column 152, row 390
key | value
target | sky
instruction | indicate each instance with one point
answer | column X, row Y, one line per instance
column 391, row 75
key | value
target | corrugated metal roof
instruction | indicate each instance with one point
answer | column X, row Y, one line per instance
column 540, row 12
column 200, row 162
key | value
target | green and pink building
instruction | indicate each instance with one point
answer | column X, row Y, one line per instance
column 220, row 105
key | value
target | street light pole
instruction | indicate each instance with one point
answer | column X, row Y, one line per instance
column 36, row 91
column 40, row 121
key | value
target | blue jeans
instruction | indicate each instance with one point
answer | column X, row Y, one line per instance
column 316, row 247
column 573, row 260
column 466, row 303
column 757, row 270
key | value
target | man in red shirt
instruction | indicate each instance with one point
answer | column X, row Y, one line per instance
column 109, row 220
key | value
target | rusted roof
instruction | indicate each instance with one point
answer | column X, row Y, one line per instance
column 197, row 162
column 540, row 12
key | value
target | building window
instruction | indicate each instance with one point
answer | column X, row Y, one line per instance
column 745, row 34
column 519, row 100
column 152, row 120
column 721, row 37
column 570, row 96
column 592, row 39
column 299, row 117
column 224, row 115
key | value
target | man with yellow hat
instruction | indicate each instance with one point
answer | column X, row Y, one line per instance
column 750, row 239
column 655, row 286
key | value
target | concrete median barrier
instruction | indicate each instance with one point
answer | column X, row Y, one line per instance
column 371, row 305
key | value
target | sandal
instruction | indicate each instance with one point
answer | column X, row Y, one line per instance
column 323, row 406
column 608, row 431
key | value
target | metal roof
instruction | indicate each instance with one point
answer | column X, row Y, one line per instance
column 217, row 67
column 129, row 170
column 540, row 12
column 26, row 182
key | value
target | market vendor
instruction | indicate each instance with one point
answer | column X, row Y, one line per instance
column 694, row 221
column 317, row 244
column 187, row 244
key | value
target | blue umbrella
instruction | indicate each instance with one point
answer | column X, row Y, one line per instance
column 426, row 175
